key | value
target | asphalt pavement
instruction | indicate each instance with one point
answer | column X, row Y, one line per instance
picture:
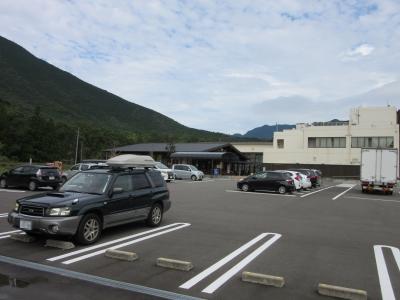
column 333, row 234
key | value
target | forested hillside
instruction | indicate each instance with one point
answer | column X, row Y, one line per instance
column 42, row 107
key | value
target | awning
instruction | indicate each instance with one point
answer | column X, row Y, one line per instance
column 226, row 156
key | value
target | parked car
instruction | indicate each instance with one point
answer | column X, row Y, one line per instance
column 305, row 181
column 314, row 178
column 82, row 167
column 31, row 177
column 296, row 178
column 268, row 181
column 183, row 171
column 167, row 173
column 92, row 201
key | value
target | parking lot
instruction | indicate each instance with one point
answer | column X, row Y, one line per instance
column 333, row 234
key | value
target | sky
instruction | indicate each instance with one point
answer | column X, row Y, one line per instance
column 226, row 66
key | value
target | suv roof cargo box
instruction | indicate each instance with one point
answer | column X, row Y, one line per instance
column 131, row 161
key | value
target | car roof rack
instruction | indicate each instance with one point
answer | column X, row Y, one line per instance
column 131, row 161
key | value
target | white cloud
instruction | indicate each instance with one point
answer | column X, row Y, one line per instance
column 358, row 52
column 207, row 64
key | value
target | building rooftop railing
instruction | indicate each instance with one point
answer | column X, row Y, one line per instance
column 340, row 123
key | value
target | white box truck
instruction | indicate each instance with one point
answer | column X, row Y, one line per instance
column 378, row 170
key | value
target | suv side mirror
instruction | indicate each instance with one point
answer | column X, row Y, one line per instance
column 115, row 190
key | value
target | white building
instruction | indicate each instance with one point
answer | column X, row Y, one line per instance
column 331, row 145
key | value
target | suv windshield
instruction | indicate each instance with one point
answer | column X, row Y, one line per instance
column 161, row 166
column 193, row 168
column 91, row 183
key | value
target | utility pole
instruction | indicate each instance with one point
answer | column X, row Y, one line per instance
column 77, row 144
column 81, row 151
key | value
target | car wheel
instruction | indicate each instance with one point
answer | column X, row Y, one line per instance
column 3, row 183
column 282, row 189
column 193, row 177
column 32, row 186
column 245, row 187
column 155, row 216
column 89, row 230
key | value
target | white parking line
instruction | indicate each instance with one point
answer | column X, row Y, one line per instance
column 228, row 275
column 384, row 279
column 200, row 181
column 345, row 185
column 111, row 242
column 8, row 232
column 79, row 258
column 341, row 194
column 311, row 193
column 190, row 283
column 260, row 193
column 12, row 191
column 3, row 215
column 372, row 199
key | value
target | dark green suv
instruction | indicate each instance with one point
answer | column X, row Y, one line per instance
column 92, row 201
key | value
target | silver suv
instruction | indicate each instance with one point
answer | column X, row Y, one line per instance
column 183, row 171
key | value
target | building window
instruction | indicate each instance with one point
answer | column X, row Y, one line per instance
column 281, row 143
column 326, row 142
column 312, row 142
column 372, row 142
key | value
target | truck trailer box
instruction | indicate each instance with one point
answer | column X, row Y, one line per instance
column 379, row 169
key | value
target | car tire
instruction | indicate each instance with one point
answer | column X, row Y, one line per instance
column 245, row 187
column 155, row 215
column 193, row 177
column 282, row 189
column 32, row 186
column 89, row 230
column 3, row 183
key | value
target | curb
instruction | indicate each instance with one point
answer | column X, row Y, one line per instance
column 341, row 292
column 25, row 238
column 263, row 279
column 174, row 264
column 121, row 255
column 59, row 244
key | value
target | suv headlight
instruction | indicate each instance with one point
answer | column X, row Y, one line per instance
column 59, row 211
column 16, row 208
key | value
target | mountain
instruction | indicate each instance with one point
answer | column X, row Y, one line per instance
column 265, row 132
column 27, row 82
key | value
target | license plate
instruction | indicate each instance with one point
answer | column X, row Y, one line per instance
column 51, row 177
column 25, row 224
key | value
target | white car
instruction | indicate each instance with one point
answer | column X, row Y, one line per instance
column 296, row 178
column 305, row 181
column 167, row 173
column 81, row 167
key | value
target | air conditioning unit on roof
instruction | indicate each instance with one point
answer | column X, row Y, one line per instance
column 131, row 161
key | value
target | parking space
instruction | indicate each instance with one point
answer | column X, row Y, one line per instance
column 333, row 234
